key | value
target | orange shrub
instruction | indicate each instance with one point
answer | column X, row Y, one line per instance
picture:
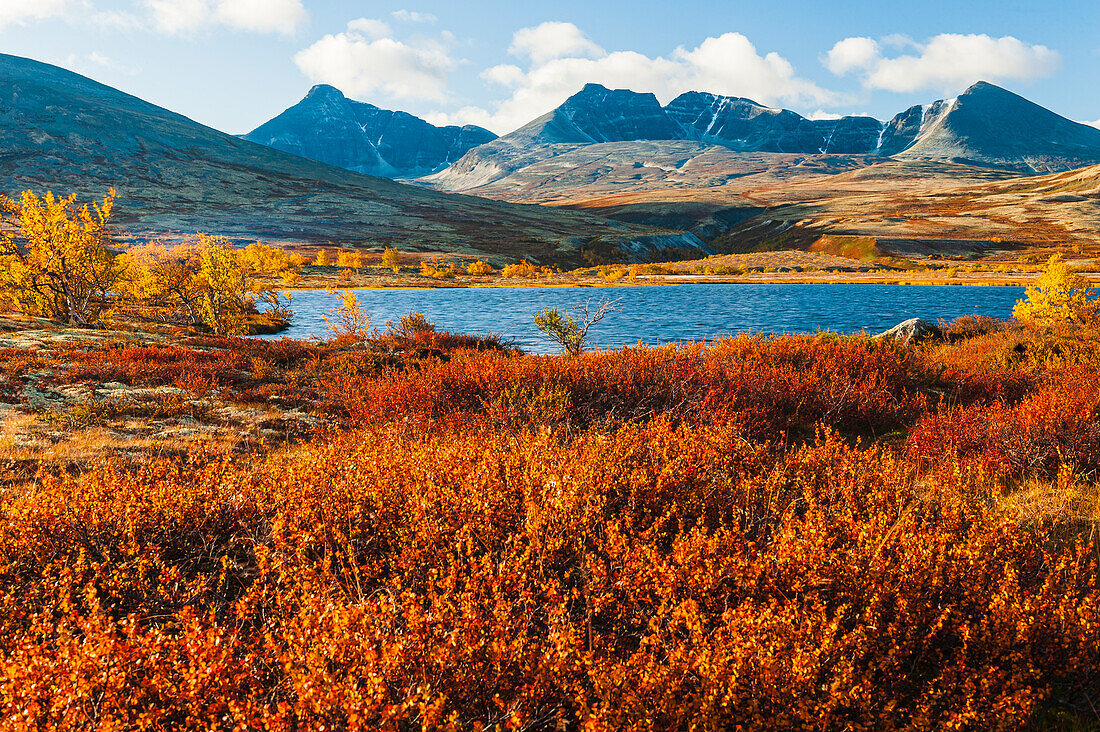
column 767, row 384
column 655, row 578
column 1058, row 424
column 645, row 539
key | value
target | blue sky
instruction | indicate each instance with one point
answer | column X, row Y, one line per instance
column 233, row 64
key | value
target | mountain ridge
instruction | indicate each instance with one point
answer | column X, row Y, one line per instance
column 328, row 127
column 64, row 132
column 986, row 125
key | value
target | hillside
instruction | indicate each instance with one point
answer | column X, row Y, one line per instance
column 328, row 127
column 64, row 132
column 992, row 126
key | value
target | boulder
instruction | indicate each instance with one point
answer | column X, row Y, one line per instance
column 914, row 330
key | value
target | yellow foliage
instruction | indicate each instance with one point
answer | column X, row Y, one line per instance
column 204, row 277
column 436, row 270
column 57, row 263
column 1061, row 295
column 349, row 323
column 350, row 260
column 479, row 268
column 323, row 258
column 524, row 269
column 391, row 260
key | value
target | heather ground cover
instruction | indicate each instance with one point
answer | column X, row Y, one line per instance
column 812, row 532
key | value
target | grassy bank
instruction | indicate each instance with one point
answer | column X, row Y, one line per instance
column 792, row 267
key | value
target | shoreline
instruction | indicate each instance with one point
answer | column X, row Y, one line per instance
column 670, row 280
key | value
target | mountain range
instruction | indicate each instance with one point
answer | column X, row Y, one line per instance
column 627, row 178
column 64, row 132
column 328, row 127
column 985, row 126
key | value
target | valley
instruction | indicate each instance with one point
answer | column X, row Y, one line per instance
column 664, row 409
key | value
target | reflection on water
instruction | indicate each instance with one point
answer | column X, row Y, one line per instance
column 655, row 315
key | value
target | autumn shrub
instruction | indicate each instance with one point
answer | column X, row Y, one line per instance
column 1058, row 424
column 570, row 329
column 770, row 384
column 410, row 327
column 1060, row 295
column 391, row 259
column 762, row 533
column 55, row 256
column 971, row 326
column 349, row 323
column 522, row 269
column 657, row 577
column 206, row 281
column 437, row 270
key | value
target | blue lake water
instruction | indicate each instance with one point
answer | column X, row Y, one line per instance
column 654, row 315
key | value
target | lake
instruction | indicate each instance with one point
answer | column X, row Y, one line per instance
column 666, row 314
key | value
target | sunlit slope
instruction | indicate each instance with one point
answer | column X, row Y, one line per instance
column 62, row 131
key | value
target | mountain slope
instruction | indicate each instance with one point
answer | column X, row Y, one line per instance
column 598, row 116
column 328, row 127
column 64, row 132
column 993, row 126
column 985, row 126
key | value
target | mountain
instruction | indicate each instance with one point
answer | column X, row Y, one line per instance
column 743, row 125
column 597, row 115
column 992, row 126
column 328, row 127
column 985, row 126
column 64, row 132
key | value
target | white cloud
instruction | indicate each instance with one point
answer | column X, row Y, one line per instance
column 17, row 12
column 821, row 114
column 552, row 40
column 20, row 12
column 257, row 16
column 851, row 54
column 262, row 16
column 178, row 16
column 95, row 62
column 507, row 75
column 361, row 64
column 117, row 20
column 411, row 16
column 727, row 64
column 948, row 62
column 370, row 28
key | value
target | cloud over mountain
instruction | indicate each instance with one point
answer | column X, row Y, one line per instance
column 364, row 59
column 947, row 62
column 562, row 59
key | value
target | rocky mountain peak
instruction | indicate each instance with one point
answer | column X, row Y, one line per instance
column 329, row 127
column 325, row 91
column 599, row 114
column 989, row 125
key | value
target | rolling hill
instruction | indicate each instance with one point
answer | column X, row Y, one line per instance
column 64, row 132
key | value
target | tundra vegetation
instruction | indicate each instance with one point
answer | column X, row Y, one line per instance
column 570, row 330
column 58, row 261
column 800, row 532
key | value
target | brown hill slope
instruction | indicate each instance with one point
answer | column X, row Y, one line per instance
column 64, row 132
